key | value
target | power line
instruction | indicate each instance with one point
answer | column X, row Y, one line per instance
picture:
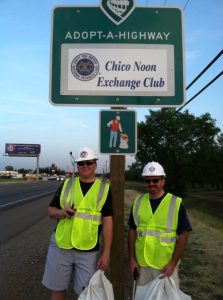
column 165, row 1
column 186, row 5
column 205, row 69
column 207, row 85
column 199, row 75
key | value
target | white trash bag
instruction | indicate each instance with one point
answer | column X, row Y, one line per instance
column 99, row 288
column 160, row 289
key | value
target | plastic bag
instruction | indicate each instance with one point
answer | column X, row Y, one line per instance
column 99, row 288
column 160, row 289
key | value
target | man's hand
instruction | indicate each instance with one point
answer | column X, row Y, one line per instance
column 57, row 213
column 103, row 262
column 168, row 270
column 133, row 265
column 66, row 212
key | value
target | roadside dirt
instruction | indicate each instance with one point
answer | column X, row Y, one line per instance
column 22, row 260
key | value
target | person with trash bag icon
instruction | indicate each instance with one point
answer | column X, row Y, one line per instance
column 158, row 229
column 115, row 128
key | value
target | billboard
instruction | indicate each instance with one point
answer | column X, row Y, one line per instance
column 22, row 149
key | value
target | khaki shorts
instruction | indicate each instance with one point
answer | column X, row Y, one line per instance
column 147, row 274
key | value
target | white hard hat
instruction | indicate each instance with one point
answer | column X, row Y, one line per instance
column 85, row 153
column 153, row 169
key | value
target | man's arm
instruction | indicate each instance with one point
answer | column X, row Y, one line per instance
column 131, row 243
column 109, row 123
column 178, row 252
column 107, row 233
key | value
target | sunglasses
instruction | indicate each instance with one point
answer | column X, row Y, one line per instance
column 87, row 163
column 155, row 180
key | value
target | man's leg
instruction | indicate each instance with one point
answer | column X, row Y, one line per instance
column 85, row 267
column 111, row 139
column 58, row 270
column 58, row 295
column 147, row 274
column 115, row 138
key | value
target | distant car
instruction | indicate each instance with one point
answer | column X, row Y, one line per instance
column 52, row 177
column 61, row 178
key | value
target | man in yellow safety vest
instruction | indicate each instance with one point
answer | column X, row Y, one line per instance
column 82, row 207
column 159, row 229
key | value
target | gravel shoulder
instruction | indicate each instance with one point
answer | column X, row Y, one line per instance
column 22, row 262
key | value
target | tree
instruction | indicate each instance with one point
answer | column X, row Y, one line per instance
column 9, row 168
column 188, row 147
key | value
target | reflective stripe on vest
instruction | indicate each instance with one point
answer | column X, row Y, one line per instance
column 156, row 234
column 170, row 215
column 69, row 185
column 88, row 217
column 135, row 212
column 101, row 191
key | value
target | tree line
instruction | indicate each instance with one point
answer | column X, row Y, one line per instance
column 190, row 149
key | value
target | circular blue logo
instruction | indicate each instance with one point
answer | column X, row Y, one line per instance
column 85, row 66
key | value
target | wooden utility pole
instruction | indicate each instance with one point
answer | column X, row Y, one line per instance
column 117, row 177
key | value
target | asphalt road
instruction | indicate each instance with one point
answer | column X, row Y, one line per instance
column 16, row 193
column 23, row 205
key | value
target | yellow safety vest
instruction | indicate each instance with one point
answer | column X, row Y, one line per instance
column 156, row 233
column 81, row 230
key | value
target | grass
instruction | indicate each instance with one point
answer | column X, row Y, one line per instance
column 208, row 204
column 9, row 181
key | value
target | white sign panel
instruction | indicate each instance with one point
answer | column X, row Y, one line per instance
column 117, row 69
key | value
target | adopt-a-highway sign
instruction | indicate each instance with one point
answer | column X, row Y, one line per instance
column 117, row 55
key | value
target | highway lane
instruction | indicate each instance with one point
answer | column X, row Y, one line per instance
column 17, row 193
column 15, row 219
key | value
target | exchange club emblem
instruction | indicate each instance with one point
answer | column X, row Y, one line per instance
column 84, row 154
column 117, row 10
column 85, row 66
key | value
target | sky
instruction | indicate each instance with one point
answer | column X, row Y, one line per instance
column 28, row 117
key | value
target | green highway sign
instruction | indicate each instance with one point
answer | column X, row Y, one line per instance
column 103, row 57
column 118, row 132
